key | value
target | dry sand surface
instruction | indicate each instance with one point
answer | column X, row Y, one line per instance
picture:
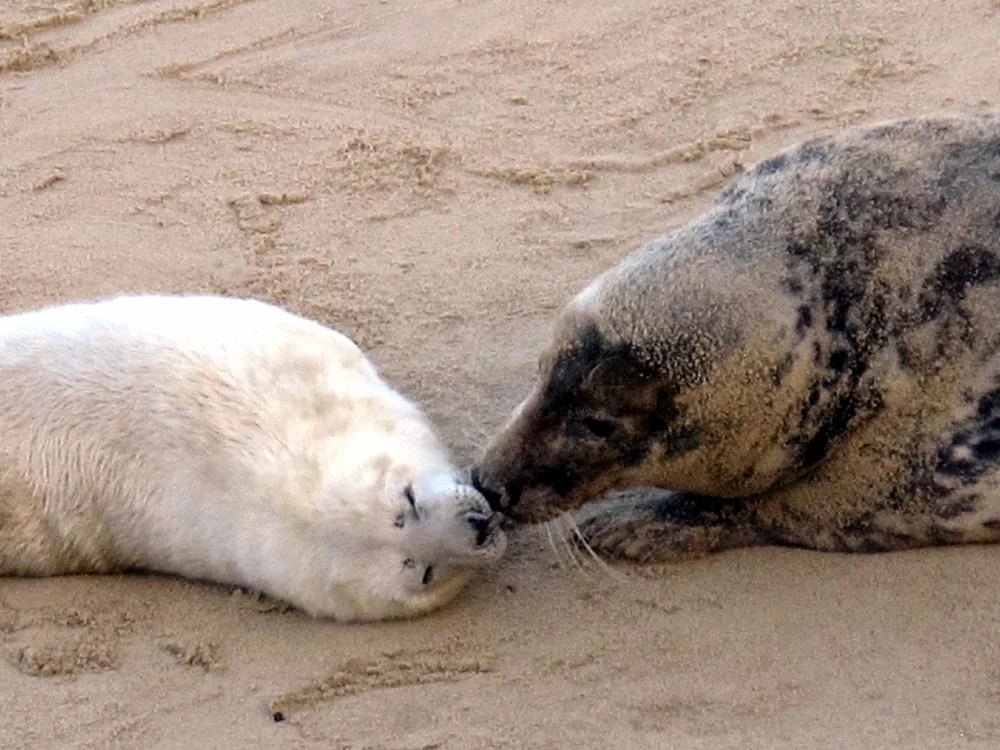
column 437, row 178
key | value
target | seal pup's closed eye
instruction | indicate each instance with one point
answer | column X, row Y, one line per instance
column 232, row 441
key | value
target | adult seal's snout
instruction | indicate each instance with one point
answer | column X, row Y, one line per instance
column 493, row 497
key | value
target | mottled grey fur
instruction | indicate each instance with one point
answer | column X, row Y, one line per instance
column 815, row 361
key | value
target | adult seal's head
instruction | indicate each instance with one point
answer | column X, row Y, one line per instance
column 631, row 389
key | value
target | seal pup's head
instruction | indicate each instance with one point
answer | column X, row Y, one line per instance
column 380, row 523
column 445, row 528
column 417, row 552
column 404, row 530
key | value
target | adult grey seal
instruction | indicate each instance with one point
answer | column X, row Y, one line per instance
column 815, row 362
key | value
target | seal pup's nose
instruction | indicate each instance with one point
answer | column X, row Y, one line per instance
column 484, row 526
column 493, row 497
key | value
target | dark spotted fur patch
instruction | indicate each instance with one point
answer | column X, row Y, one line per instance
column 865, row 535
column 590, row 350
column 933, row 480
column 980, row 436
column 610, row 407
column 953, row 508
column 952, row 276
column 689, row 509
column 835, row 266
column 611, row 376
column 805, row 320
column 832, row 269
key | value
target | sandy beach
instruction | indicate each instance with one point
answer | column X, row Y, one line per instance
column 437, row 179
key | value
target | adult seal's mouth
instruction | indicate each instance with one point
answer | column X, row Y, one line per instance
column 493, row 497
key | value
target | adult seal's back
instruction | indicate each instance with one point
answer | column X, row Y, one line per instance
column 813, row 362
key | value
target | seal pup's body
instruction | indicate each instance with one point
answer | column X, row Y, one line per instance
column 226, row 440
column 815, row 362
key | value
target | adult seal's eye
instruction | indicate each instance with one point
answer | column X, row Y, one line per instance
column 428, row 575
column 601, row 428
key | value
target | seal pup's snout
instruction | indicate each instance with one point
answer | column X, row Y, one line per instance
column 484, row 525
column 486, row 539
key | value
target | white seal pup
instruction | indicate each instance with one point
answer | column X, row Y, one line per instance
column 226, row 440
column 815, row 361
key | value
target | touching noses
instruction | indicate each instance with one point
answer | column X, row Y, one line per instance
column 494, row 497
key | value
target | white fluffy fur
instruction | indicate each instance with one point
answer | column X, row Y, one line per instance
column 226, row 440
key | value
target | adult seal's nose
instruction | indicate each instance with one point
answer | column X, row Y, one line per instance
column 494, row 498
